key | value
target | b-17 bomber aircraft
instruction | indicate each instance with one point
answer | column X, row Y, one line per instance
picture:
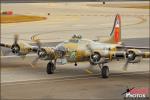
column 78, row 49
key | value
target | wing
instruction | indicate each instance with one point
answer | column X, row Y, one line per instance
column 132, row 47
column 128, row 53
column 5, row 45
column 20, row 48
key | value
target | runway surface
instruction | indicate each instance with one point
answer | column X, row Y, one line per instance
column 77, row 88
column 21, row 81
column 48, row 1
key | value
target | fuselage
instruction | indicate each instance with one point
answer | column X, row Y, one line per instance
column 79, row 49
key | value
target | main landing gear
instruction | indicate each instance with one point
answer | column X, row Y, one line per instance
column 104, row 70
column 51, row 67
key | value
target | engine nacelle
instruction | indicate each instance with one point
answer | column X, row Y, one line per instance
column 133, row 55
column 20, row 49
column 46, row 54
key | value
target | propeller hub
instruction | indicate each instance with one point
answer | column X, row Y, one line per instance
column 131, row 55
column 42, row 53
column 15, row 48
column 95, row 57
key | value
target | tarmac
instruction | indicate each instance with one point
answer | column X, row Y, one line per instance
column 19, row 80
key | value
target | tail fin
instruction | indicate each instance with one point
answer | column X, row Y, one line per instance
column 115, row 35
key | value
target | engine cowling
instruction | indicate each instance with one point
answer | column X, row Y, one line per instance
column 133, row 55
column 15, row 48
column 95, row 58
column 20, row 49
column 46, row 53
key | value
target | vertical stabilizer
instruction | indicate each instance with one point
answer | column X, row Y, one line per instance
column 115, row 35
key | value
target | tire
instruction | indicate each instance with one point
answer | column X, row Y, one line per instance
column 105, row 72
column 50, row 68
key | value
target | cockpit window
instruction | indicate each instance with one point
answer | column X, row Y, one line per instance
column 74, row 40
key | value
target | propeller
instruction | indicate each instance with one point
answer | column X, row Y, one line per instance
column 41, row 52
column 95, row 57
column 34, row 62
column 15, row 48
column 130, row 55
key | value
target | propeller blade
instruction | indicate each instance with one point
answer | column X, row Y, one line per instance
column 89, row 69
column 33, row 66
column 38, row 43
column 34, row 62
column 15, row 46
column 16, row 39
column 126, row 65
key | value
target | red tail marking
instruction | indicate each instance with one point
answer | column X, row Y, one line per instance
column 117, row 29
column 116, row 37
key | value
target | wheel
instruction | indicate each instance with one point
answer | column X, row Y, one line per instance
column 50, row 68
column 105, row 72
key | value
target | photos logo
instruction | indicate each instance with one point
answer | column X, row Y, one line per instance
column 136, row 94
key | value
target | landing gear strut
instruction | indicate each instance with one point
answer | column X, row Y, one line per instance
column 75, row 64
column 104, row 71
column 50, row 67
